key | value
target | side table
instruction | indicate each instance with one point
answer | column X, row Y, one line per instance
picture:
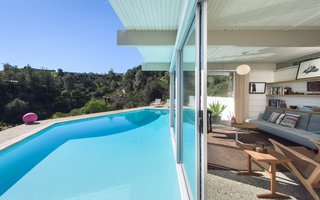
column 244, row 125
column 272, row 160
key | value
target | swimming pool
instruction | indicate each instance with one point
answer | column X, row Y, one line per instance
column 120, row 156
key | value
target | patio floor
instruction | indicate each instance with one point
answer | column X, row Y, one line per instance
column 226, row 159
column 226, row 184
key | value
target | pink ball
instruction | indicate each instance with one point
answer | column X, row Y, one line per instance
column 29, row 118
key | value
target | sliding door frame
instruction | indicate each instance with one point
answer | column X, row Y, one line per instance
column 198, row 15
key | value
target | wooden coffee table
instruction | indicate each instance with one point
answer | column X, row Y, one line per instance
column 273, row 158
column 244, row 125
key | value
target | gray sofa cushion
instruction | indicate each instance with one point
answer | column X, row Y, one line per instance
column 296, row 135
column 269, row 111
column 303, row 120
column 314, row 124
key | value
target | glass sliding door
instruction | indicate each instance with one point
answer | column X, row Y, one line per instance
column 189, row 145
column 190, row 98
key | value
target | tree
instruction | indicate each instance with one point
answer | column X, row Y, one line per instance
column 15, row 110
column 46, row 92
column 153, row 91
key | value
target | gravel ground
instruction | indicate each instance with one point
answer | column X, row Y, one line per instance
column 227, row 185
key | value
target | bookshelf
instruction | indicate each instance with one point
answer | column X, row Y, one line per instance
column 296, row 81
column 293, row 95
column 303, row 111
column 292, row 92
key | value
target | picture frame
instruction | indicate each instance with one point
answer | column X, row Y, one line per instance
column 257, row 87
column 309, row 69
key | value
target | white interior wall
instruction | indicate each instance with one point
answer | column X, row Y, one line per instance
column 286, row 74
column 258, row 102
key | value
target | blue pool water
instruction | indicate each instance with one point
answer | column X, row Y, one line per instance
column 122, row 156
column 189, row 150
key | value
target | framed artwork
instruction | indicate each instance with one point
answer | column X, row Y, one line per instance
column 309, row 69
column 313, row 87
column 257, row 87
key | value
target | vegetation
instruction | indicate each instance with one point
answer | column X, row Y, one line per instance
column 51, row 93
column 216, row 108
column 220, row 85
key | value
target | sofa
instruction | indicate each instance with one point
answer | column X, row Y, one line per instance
column 307, row 127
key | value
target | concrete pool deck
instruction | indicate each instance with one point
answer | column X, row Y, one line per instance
column 226, row 184
column 15, row 134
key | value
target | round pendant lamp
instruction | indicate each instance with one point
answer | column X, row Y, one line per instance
column 243, row 69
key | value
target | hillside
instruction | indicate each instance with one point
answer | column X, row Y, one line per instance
column 52, row 93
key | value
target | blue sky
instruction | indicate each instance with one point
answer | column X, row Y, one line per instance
column 75, row 35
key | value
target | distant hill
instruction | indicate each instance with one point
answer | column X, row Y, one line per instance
column 57, row 93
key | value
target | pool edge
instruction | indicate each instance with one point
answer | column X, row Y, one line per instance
column 17, row 134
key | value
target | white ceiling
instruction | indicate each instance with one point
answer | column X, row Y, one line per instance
column 232, row 54
column 148, row 14
column 231, row 15
column 264, row 15
column 155, row 54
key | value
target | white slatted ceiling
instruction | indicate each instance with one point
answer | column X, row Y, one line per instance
column 231, row 54
column 156, row 54
column 148, row 14
column 224, row 15
column 264, row 15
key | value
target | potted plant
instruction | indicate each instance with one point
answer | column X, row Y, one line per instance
column 216, row 109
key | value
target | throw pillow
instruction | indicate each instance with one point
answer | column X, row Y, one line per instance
column 273, row 117
column 280, row 118
column 290, row 120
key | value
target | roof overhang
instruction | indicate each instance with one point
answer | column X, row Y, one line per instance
column 253, row 38
column 269, row 31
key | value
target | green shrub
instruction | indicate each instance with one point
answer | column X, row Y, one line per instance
column 77, row 111
column 92, row 106
column 15, row 110
column 60, row 114
column 4, row 126
column 216, row 108
column 95, row 105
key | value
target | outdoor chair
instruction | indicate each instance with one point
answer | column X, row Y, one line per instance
column 303, row 165
column 157, row 103
column 167, row 103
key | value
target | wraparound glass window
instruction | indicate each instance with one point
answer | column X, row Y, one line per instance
column 189, row 127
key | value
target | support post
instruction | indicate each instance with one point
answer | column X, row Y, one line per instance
column 179, row 105
column 172, row 108
column 203, row 76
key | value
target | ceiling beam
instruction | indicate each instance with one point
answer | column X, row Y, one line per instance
column 136, row 38
column 272, row 38
column 233, row 66
column 155, row 66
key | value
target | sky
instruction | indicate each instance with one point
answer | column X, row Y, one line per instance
column 74, row 35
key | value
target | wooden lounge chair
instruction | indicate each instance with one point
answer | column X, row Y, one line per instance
column 157, row 103
column 303, row 166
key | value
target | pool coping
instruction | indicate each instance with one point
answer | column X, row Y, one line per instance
column 18, row 133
